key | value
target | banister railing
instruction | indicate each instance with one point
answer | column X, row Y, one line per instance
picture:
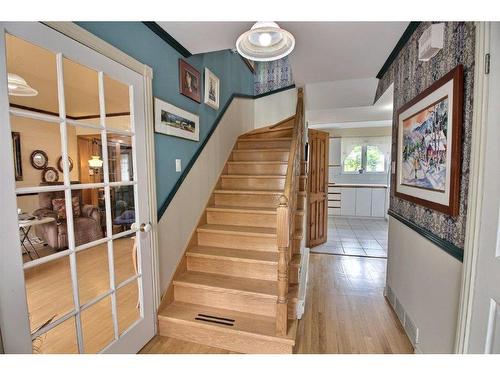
column 286, row 214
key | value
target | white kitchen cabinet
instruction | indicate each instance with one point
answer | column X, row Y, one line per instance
column 348, row 201
column 363, row 202
column 334, row 151
column 378, row 202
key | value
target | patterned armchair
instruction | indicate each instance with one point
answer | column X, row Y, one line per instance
column 87, row 224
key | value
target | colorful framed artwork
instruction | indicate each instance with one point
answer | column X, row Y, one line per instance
column 429, row 145
column 212, row 89
column 189, row 81
column 171, row 120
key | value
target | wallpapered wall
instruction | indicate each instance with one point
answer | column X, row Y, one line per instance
column 138, row 41
column 272, row 75
column 410, row 78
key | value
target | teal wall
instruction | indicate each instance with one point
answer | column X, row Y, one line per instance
column 138, row 41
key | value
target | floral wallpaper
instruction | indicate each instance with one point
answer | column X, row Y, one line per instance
column 272, row 75
column 411, row 77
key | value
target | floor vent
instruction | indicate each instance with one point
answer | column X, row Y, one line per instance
column 215, row 319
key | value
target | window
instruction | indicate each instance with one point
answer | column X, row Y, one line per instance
column 365, row 155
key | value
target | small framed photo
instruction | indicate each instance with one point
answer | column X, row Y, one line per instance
column 189, row 81
column 212, row 89
column 171, row 120
column 429, row 145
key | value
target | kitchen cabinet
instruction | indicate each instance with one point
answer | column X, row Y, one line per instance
column 363, row 202
column 357, row 200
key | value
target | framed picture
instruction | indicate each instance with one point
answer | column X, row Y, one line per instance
column 212, row 89
column 171, row 120
column 189, row 81
column 16, row 148
column 429, row 145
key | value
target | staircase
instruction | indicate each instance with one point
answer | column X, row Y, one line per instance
column 236, row 288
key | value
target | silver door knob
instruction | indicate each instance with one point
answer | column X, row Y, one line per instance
column 143, row 227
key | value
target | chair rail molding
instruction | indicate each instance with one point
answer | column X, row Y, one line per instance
column 476, row 186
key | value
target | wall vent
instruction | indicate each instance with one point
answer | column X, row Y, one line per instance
column 400, row 311
column 411, row 330
column 409, row 326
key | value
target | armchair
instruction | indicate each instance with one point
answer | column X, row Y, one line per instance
column 87, row 226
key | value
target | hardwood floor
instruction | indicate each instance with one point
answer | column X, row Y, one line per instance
column 49, row 294
column 346, row 312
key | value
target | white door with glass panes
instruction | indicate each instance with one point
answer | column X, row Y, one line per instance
column 75, row 268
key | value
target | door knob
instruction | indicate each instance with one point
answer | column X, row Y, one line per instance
column 143, row 227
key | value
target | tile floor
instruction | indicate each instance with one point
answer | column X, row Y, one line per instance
column 356, row 237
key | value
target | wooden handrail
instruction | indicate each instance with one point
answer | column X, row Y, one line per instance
column 286, row 215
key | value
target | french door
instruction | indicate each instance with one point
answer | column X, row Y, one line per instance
column 75, row 253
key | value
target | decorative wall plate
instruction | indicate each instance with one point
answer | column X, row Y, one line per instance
column 50, row 174
column 39, row 159
column 60, row 164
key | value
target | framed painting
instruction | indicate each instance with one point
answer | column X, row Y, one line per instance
column 429, row 141
column 212, row 89
column 16, row 148
column 172, row 120
column 189, row 81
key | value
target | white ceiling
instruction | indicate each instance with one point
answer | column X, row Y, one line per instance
column 324, row 51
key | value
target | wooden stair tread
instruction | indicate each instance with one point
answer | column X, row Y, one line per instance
column 257, row 150
column 248, row 256
column 228, row 284
column 264, row 139
column 243, row 209
column 238, row 191
column 238, row 229
column 244, row 323
column 246, row 162
column 280, row 176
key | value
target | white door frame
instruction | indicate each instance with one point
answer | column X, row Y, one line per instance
column 145, row 100
column 90, row 40
column 476, row 186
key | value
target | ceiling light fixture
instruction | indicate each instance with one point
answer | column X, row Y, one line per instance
column 19, row 87
column 265, row 41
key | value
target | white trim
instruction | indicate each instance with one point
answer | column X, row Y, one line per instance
column 476, row 176
column 88, row 39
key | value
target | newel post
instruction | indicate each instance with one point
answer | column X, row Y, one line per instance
column 283, row 238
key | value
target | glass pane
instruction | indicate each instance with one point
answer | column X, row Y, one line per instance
column 89, row 215
column 93, row 272
column 120, row 158
column 31, row 71
column 37, row 149
column 89, row 159
column 59, row 340
column 81, row 91
column 49, row 292
column 352, row 162
column 117, row 102
column 124, row 253
column 128, row 308
column 122, row 207
column 375, row 160
column 97, row 326
column 42, row 224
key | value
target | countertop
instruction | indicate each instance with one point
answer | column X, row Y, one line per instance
column 380, row 186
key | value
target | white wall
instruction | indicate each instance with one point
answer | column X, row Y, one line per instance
column 427, row 282
column 181, row 217
column 271, row 109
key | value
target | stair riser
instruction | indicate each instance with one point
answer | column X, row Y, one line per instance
column 241, row 218
column 233, row 268
column 247, row 303
column 284, row 133
column 244, row 200
column 245, row 183
column 257, row 169
column 237, row 241
column 223, row 339
column 249, row 145
column 261, row 156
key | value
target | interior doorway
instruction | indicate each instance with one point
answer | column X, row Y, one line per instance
column 75, row 216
